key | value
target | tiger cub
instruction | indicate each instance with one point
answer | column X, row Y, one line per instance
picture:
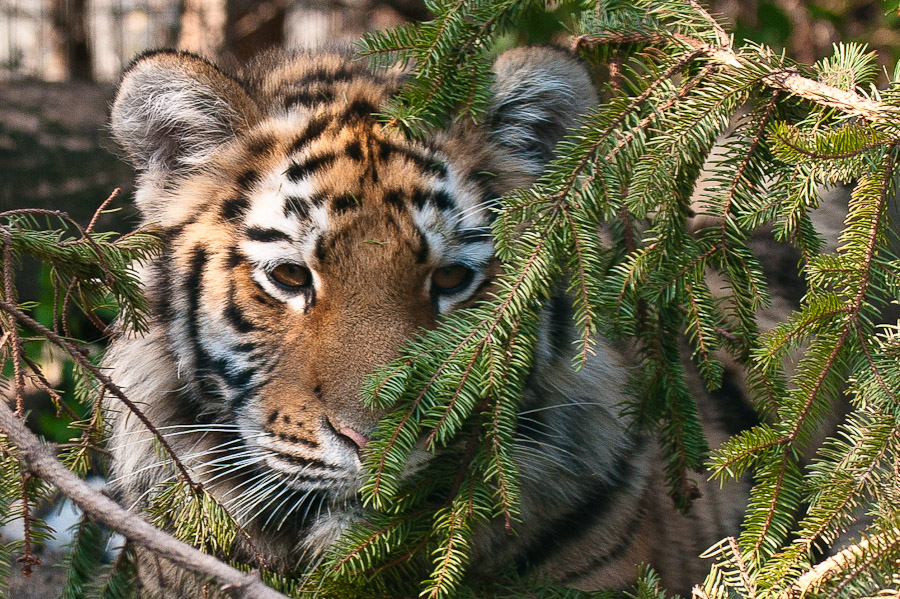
column 304, row 244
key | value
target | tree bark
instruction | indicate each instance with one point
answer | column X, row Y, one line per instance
column 71, row 39
column 252, row 26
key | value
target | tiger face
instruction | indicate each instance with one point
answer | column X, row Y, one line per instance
column 305, row 243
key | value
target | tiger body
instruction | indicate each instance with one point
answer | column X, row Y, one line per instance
column 304, row 244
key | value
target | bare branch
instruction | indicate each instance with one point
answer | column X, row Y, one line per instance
column 79, row 358
column 812, row 580
column 788, row 80
column 40, row 460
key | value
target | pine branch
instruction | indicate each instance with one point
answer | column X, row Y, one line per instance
column 835, row 565
column 39, row 459
column 79, row 358
column 788, row 80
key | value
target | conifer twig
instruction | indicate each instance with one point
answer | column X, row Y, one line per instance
column 787, row 80
column 812, row 580
column 39, row 458
column 75, row 352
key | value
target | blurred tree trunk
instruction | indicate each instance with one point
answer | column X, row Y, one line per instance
column 70, row 41
column 252, row 26
column 201, row 26
column 410, row 10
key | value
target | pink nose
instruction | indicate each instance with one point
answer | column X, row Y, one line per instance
column 358, row 438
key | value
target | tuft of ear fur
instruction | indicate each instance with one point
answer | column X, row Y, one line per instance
column 538, row 93
column 174, row 109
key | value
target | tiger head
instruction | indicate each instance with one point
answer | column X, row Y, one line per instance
column 306, row 242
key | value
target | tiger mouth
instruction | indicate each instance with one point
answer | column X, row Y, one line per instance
column 307, row 474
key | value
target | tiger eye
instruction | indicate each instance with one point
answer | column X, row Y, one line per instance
column 291, row 276
column 451, row 278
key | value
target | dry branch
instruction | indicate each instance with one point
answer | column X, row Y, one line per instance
column 788, row 80
column 811, row 581
column 40, row 459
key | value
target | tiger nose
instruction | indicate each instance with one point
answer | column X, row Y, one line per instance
column 359, row 439
column 348, row 434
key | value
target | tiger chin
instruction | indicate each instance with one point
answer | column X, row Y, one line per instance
column 304, row 244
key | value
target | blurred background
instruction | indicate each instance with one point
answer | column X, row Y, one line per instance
column 59, row 60
column 92, row 40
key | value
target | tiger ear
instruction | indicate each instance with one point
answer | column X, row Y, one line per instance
column 538, row 93
column 173, row 110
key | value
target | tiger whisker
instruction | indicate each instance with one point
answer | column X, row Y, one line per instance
column 261, row 493
column 561, row 405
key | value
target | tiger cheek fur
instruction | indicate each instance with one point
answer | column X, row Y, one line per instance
column 303, row 243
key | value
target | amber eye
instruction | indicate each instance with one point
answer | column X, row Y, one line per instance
column 291, row 277
column 451, row 279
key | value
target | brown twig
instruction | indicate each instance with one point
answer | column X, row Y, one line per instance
column 9, row 294
column 108, row 385
column 39, row 459
column 787, row 80
column 811, row 581
column 108, row 277
column 79, row 358
column 99, row 211
column 27, row 559
column 42, row 383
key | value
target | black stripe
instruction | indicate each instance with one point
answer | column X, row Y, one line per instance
column 613, row 554
column 263, row 296
column 266, row 235
column 394, row 197
column 354, row 150
column 486, row 181
column 474, row 235
column 321, row 250
column 422, row 251
column 310, row 97
column 487, row 282
column 560, row 534
column 236, row 379
column 343, row 72
column 262, row 145
column 305, row 462
column 234, row 208
column 309, row 297
column 234, row 258
column 560, row 324
column 359, row 109
column 313, row 131
column 237, row 319
column 299, row 171
column 162, row 292
column 420, row 198
column 429, row 164
column 344, row 202
column 443, row 200
column 440, row 199
column 732, row 410
column 297, row 206
column 248, row 179
column 193, row 288
column 171, row 234
column 235, row 316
